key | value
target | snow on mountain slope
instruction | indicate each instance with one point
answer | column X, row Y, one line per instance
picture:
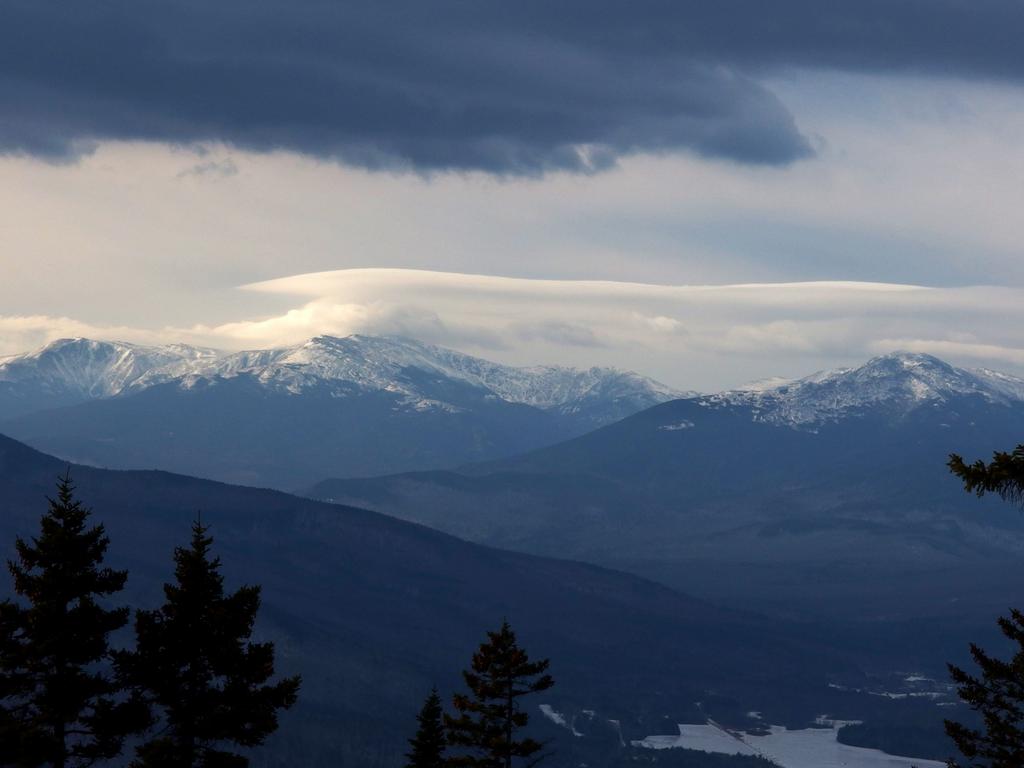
column 898, row 382
column 1011, row 387
column 541, row 386
column 371, row 363
column 74, row 370
column 80, row 369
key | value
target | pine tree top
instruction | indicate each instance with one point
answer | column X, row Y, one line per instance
column 501, row 660
column 490, row 719
column 427, row 747
column 63, row 564
column 196, row 662
column 56, row 696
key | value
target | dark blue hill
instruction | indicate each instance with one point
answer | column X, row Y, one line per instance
column 372, row 611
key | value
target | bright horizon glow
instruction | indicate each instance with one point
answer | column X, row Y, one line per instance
column 683, row 335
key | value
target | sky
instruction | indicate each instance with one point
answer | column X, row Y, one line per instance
column 705, row 193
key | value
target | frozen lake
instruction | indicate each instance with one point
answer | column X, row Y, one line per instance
column 805, row 748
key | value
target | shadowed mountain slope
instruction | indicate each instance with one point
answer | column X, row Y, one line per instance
column 826, row 495
column 372, row 611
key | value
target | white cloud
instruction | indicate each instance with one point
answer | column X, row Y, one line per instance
column 917, row 182
column 702, row 273
column 19, row 333
column 691, row 336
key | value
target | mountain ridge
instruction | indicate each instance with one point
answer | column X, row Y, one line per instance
column 899, row 380
column 287, row 417
column 97, row 369
column 69, row 371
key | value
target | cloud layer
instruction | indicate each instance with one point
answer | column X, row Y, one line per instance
column 509, row 88
column 697, row 337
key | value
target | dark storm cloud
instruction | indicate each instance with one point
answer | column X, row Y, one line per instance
column 519, row 86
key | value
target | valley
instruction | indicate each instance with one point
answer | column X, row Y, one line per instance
column 812, row 519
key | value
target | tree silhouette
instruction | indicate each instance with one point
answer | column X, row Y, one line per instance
column 490, row 719
column 196, row 664
column 998, row 694
column 1004, row 475
column 428, row 745
column 60, row 704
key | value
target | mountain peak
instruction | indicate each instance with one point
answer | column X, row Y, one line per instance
column 71, row 370
column 356, row 344
column 898, row 382
column 915, row 374
column 80, row 344
column 908, row 361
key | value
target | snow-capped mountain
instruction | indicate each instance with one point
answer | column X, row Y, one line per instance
column 70, row 371
column 382, row 363
column 76, row 370
column 834, row 487
column 356, row 405
column 896, row 383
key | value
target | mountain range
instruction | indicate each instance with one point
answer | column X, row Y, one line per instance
column 818, row 510
column 827, row 495
column 288, row 417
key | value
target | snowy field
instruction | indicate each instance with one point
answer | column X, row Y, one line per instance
column 806, row 748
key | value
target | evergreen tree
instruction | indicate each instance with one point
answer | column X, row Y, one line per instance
column 195, row 663
column 490, row 718
column 60, row 704
column 428, row 744
column 998, row 694
column 1003, row 475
